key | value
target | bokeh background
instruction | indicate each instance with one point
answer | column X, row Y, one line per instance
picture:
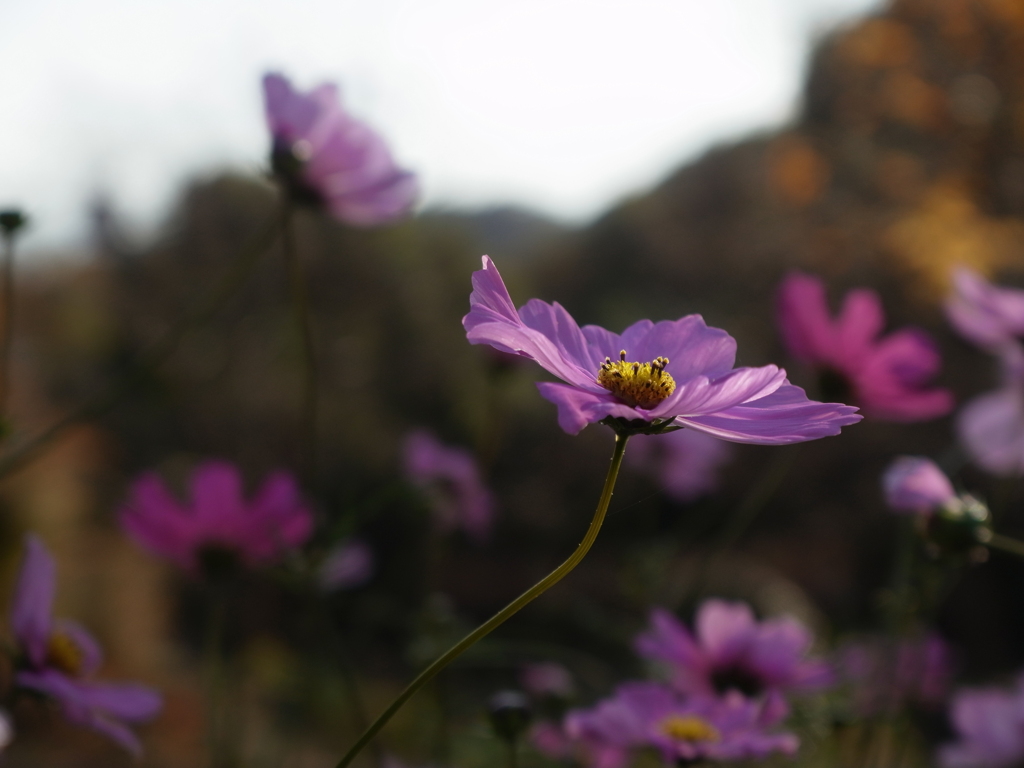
column 895, row 155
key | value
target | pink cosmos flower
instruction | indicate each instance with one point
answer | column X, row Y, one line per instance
column 217, row 526
column 916, row 484
column 348, row 565
column 652, row 377
column 451, row 478
column 990, row 725
column 684, row 462
column 329, row 158
column 60, row 658
column 681, row 729
column 990, row 316
column 885, row 675
column 886, row 376
column 732, row 651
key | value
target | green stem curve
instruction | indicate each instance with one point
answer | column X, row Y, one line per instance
column 505, row 613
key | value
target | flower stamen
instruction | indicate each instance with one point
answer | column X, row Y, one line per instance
column 641, row 385
column 689, row 728
column 64, row 654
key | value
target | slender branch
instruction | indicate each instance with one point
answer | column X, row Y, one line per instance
column 1004, row 544
column 505, row 613
column 102, row 401
column 304, row 324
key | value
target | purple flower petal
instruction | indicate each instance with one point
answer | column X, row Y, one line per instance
column 783, row 417
column 916, row 484
column 100, row 706
column 985, row 314
column 32, row 606
column 992, row 428
column 342, row 161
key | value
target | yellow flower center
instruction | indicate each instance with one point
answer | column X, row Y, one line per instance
column 641, row 385
column 63, row 653
column 689, row 728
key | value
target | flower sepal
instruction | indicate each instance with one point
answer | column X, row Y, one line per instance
column 959, row 527
column 629, row 427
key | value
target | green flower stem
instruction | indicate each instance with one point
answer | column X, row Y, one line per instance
column 1004, row 544
column 242, row 266
column 505, row 613
column 304, row 325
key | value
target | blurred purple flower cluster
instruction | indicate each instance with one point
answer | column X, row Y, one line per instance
column 725, row 693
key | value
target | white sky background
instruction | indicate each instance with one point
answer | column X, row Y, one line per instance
column 559, row 105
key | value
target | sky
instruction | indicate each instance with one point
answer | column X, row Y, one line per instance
column 562, row 106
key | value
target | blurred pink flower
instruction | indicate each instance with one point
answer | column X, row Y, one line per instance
column 347, row 565
column 451, row 479
column 731, row 650
column 685, row 463
column 328, row 157
column 887, row 376
column 990, row 316
column 546, row 679
column 683, row 730
column 916, row 484
column 989, row 723
column 886, row 674
column 991, row 426
column 217, row 526
column 61, row 657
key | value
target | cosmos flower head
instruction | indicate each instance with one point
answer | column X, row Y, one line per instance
column 731, row 651
column 60, row 658
column 651, row 378
column 886, row 376
column 987, row 315
column 917, row 485
column 682, row 729
column 328, row 158
column 217, row 528
column 989, row 724
column 685, row 463
column 450, row 477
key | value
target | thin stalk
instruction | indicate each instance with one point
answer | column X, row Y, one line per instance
column 103, row 401
column 505, row 613
column 1004, row 544
column 304, row 325
column 513, row 753
column 8, row 321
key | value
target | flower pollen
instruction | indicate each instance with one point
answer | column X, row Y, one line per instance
column 63, row 653
column 689, row 728
column 640, row 385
